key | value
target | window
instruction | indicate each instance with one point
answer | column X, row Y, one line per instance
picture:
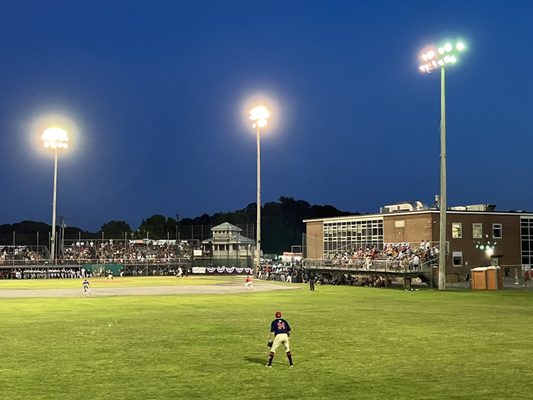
column 457, row 230
column 340, row 237
column 497, row 231
column 457, row 258
column 477, row 231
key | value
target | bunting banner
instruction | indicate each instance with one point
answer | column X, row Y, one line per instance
column 225, row 270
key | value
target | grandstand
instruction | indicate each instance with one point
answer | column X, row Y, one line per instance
column 137, row 257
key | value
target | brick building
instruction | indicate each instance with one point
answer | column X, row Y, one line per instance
column 476, row 235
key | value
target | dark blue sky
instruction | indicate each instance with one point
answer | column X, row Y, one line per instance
column 157, row 90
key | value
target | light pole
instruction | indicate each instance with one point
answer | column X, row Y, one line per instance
column 259, row 115
column 439, row 58
column 55, row 139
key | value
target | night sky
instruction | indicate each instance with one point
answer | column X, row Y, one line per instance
column 157, row 91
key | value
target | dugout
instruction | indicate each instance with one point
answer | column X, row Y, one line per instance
column 487, row 278
column 102, row 269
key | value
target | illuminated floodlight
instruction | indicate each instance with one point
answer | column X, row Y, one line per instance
column 442, row 57
column 259, row 112
column 259, row 115
column 261, row 123
column 433, row 58
column 55, row 138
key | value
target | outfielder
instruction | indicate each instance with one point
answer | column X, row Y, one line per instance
column 86, row 286
column 279, row 334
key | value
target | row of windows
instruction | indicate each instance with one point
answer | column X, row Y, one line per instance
column 349, row 236
column 335, row 225
column 526, row 230
column 227, row 247
column 366, row 233
column 477, row 230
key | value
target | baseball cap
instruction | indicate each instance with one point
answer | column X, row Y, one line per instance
column 278, row 314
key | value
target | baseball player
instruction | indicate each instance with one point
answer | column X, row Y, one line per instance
column 248, row 283
column 86, row 286
column 279, row 334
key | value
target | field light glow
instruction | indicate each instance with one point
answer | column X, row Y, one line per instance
column 261, row 109
column 55, row 138
column 259, row 112
column 261, row 123
column 259, row 115
column 54, row 131
column 439, row 57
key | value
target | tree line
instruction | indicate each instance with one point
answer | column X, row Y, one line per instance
column 281, row 225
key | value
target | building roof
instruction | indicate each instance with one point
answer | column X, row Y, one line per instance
column 233, row 240
column 226, row 226
column 430, row 211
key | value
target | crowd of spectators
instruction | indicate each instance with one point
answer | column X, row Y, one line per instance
column 339, row 278
column 101, row 252
column 20, row 254
column 131, row 251
column 393, row 257
column 28, row 262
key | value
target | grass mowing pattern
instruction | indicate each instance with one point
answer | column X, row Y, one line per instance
column 127, row 281
column 354, row 343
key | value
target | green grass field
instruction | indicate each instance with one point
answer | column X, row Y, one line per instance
column 117, row 282
column 347, row 342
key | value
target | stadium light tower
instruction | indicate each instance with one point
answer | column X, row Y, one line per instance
column 259, row 115
column 55, row 139
column 434, row 58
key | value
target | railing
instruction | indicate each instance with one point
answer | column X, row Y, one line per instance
column 415, row 247
column 81, row 261
column 376, row 265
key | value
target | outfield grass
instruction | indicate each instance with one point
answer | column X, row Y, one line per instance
column 355, row 343
column 127, row 281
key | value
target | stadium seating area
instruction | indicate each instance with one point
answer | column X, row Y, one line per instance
column 394, row 256
column 100, row 252
column 141, row 251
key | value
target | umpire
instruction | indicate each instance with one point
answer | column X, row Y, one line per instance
column 279, row 334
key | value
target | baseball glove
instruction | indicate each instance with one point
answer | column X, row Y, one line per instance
column 270, row 343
